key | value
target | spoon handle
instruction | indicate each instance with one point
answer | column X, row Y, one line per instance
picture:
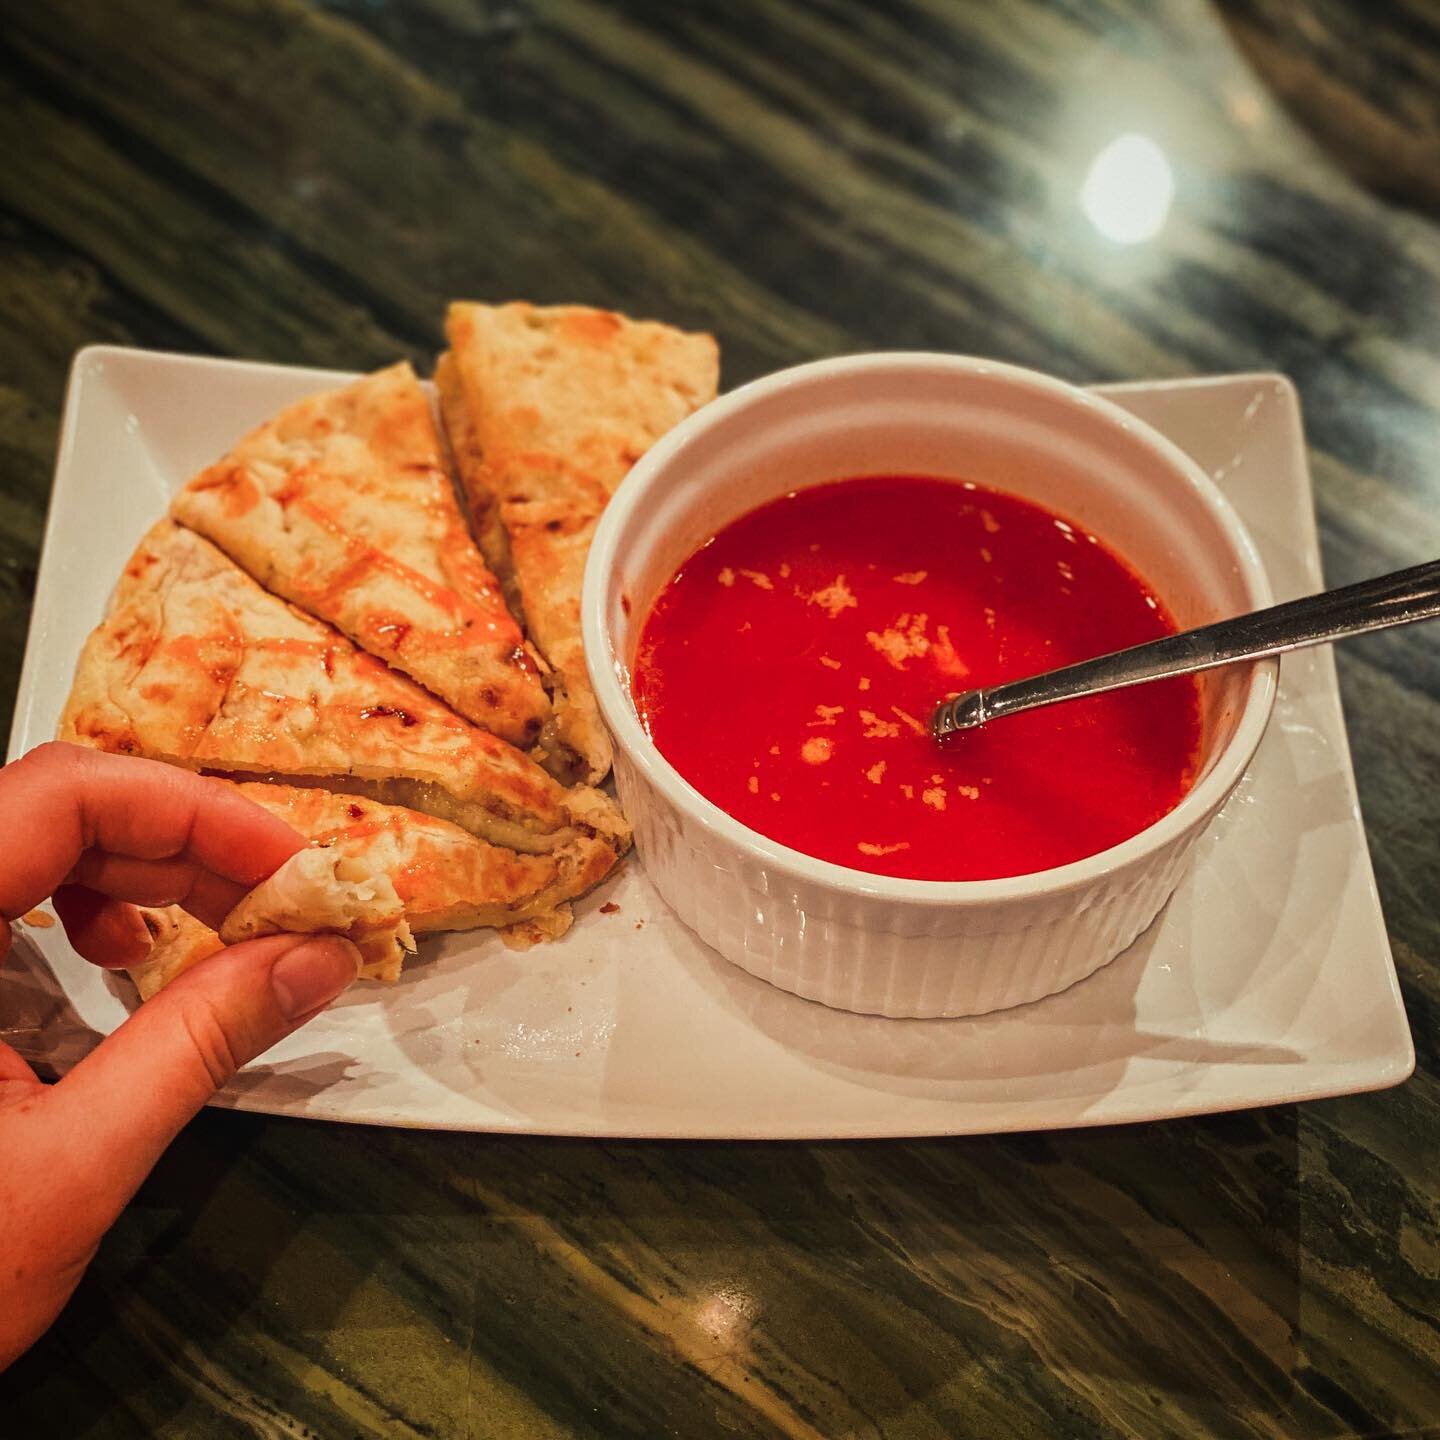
column 1395, row 599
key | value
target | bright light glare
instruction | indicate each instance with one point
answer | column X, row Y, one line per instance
column 1129, row 190
column 727, row 1315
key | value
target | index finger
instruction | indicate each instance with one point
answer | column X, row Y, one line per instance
column 61, row 801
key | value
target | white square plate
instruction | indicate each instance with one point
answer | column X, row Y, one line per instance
column 1268, row 978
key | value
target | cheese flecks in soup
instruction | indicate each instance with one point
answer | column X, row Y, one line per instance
column 789, row 669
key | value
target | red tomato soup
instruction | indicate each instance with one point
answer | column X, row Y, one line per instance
column 790, row 668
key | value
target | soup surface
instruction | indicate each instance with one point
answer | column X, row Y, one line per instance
column 789, row 669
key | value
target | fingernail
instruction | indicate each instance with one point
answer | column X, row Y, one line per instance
column 313, row 974
column 143, row 937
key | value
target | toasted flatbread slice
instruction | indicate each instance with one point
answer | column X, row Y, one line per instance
column 445, row 878
column 547, row 409
column 343, row 504
column 197, row 665
column 323, row 890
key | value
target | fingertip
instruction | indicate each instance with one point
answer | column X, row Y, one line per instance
column 313, row 974
column 106, row 932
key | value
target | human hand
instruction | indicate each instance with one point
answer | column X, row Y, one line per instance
column 97, row 832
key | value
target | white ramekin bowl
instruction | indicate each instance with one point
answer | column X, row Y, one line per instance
column 872, row 943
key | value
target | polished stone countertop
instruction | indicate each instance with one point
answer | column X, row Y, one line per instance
column 310, row 183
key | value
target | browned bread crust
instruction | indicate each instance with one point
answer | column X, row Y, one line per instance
column 547, row 409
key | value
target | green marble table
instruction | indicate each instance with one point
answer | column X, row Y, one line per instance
column 310, row 182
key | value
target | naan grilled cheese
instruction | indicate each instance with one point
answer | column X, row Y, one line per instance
column 343, row 504
column 197, row 665
column 547, row 408
column 444, row 877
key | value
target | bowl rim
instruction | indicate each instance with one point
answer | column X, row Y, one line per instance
column 604, row 663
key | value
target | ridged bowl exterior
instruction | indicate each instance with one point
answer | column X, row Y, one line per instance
column 868, row 955
column 879, row 944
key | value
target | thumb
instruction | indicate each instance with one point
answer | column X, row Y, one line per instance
column 123, row 1104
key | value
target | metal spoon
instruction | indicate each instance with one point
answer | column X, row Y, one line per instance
column 1396, row 599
